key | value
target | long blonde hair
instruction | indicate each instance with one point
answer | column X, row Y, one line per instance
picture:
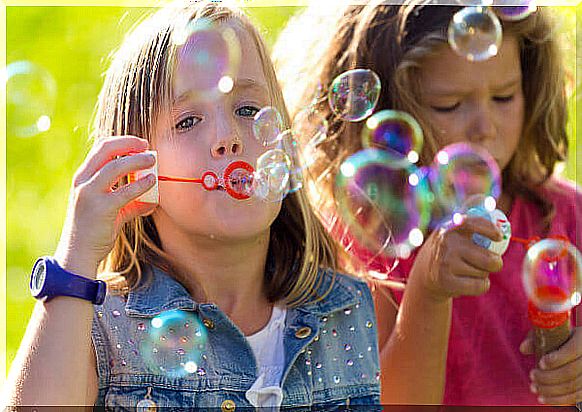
column 392, row 41
column 135, row 91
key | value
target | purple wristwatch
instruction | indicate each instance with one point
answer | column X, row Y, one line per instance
column 48, row 280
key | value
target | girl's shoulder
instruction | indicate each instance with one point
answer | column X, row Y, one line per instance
column 562, row 192
column 335, row 291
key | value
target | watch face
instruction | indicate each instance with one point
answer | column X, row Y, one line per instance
column 38, row 277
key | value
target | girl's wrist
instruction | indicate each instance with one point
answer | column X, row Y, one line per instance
column 77, row 264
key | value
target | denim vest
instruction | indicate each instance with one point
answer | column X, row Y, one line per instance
column 331, row 353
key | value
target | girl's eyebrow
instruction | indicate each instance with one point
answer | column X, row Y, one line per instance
column 444, row 92
column 247, row 83
column 239, row 84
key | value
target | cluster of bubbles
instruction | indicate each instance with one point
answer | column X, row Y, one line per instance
column 173, row 343
column 31, row 93
column 475, row 31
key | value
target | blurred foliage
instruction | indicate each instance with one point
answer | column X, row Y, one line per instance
column 73, row 44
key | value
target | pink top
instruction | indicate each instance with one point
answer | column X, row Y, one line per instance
column 484, row 365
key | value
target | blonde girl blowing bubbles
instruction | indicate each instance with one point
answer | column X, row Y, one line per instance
column 459, row 333
column 213, row 300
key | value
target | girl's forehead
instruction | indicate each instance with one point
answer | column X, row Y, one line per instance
column 445, row 66
column 222, row 52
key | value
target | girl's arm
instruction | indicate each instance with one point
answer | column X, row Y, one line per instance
column 55, row 364
column 413, row 359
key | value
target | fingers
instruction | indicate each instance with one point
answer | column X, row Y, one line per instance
column 569, row 399
column 110, row 173
column 132, row 191
column 104, row 151
column 481, row 259
column 468, row 286
column 475, row 224
column 569, row 352
column 558, row 381
column 133, row 210
column 527, row 346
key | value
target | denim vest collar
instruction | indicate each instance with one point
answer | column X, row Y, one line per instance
column 158, row 292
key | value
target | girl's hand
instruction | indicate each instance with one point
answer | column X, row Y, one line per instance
column 450, row 264
column 96, row 211
column 558, row 378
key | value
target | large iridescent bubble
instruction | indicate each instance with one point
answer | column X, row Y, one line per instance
column 173, row 343
column 462, row 176
column 211, row 52
column 31, row 93
column 552, row 275
column 268, row 126
column 475, row 33
column 383, row 204
column 353, row 95
column 271, row 180
column 395, row 132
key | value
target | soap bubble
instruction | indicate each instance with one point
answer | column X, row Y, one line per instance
column 271, row 180
column 310, row 125
column 31, row 93
column 552, row 275
column 353, row 95
column 475, row 33
column 515, row 10
column 290, row 145
column 463, row 176
column 173, row 343
column 396, row 132
column 211, row 53
column 267, row 126
column 380, row 205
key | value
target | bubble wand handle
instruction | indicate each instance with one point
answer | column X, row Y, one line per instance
column 551, row 277
column 178, row 179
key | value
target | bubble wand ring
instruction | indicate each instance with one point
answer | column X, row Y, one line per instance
column 210, row 180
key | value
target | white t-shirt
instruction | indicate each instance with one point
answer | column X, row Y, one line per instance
column 267, row 345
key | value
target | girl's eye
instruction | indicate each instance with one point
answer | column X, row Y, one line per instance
column 247, row 111
column 187, row 123
column 446, row 109
column 503, row 99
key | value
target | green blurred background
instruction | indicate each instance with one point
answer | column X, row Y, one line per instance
column 73, row 45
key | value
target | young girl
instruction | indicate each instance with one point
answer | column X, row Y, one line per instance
column 456, row 323
column 242, row 279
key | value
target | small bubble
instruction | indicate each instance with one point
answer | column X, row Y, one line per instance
column 116, row 313
column 123, row 362
column 336, row 379
column 334, row 359
column 369, row 349
column 184, row 339
column 334, row 333
column 308, row 373
column 352, row 328
column 318, row 365
column 180, row 351
column 99, row 314
column 118, row 346
column 155, row 350
column 349, row 362
column 347, row 311
column 324, row 331
column 307, row 362
column 377, row 376
column 316, row 338
column 360, row 355
column 369, row 324
column 319, row 380
column 163, row 338
column 141, row 326
column 171, row 330
column 201, row 372
column 324, row 319
column 131, row 342
column 347, row 347
column 363, row 376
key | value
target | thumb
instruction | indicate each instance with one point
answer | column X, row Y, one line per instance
column 527, row 346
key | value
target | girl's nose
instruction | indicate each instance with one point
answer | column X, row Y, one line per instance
column 482, row 126
column 228, row 147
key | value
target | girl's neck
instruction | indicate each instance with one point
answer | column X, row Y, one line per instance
column 229, row 273
column 505, row 202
